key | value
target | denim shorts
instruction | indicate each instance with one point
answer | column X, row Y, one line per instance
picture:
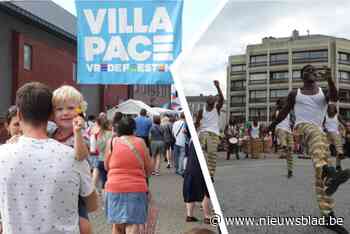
column 93, row 161
column 157, row 147
column 130, row 208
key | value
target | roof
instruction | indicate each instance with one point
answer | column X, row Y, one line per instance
column 200, row 98
column 46, row 14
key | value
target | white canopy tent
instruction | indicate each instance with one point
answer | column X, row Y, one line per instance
column 133, row 107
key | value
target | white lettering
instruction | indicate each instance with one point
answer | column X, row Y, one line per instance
column 161, row 21
column 132, row 48
column 139, row 27
column 123, row 21
column 116, row 50
column 95, row 24
column 90, row 67
column 93, row 46
column 112, row 20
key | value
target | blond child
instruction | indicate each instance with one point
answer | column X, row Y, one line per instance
column 68, row 104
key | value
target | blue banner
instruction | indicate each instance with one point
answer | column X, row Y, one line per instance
column 129, row 41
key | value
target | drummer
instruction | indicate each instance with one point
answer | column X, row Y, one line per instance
column 254, row 134
column 232, row 135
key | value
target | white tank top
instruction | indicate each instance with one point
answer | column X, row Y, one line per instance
column 331, row 124
column 285, row 124
column 310, row 108
column 255, row 131
column 210, row 121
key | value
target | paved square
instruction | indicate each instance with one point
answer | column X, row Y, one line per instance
column 260, row 188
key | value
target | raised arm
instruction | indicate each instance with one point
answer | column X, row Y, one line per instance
column 199, row 118
column 332, row 95
column 285, row 110
column 220, row 96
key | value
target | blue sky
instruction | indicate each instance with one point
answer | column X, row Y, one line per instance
column 194, row 15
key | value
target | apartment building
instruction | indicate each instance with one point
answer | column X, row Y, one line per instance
column 268, row 71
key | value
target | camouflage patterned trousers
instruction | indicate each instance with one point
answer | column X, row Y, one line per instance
column 318, row 148
column 209, row 142
column 286, row 141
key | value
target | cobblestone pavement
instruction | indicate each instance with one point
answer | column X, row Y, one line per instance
column 167, row 191
column 260, row 188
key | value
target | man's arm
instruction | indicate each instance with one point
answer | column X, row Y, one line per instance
column 91, row 202
column 285, row 110
column 87, row 190
column 220, row 96
column 332, row 95
column 199, row 118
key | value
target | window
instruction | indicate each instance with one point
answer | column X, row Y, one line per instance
column 237, row 85
column 257, row 78
column 310, row 56
column 344, row 58
column 237, row 101
column 344, row 95
column 74, row 68
column 258, row 60
column 237, row 67
column 296, row 75
column 257, row 96
column 280, row 76
column 344, row 76
column 27, row 57
column 276, row 59
column 260, row 113
column 276, row 94
column 345, row 113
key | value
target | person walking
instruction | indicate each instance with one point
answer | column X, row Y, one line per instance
column 128, row 165
column 156, row 137
column 143, row 125
column 179, row 134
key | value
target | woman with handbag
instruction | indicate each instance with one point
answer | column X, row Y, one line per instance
column 128, row 164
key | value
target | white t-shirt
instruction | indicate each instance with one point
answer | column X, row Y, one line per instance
column 181, row 137
column 40, row 182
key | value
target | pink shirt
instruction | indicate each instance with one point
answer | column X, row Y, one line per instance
column 125, row 172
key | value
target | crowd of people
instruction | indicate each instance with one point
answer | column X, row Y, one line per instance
column 57, row 166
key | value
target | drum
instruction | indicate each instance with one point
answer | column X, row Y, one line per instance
column 233, row 140
column 256, row 147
